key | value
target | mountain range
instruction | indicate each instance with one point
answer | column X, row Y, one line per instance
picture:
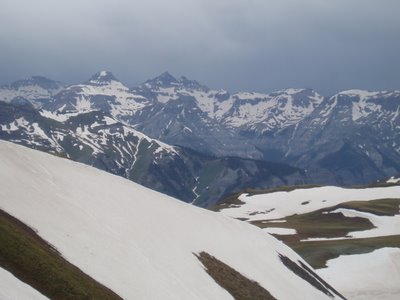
column 198, row 144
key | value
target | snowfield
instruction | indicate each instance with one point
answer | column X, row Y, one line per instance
column 282, row 204
column 384, row 225
column 135, row 241
column 370, row 276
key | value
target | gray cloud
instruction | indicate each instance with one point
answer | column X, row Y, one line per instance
column 261, row 45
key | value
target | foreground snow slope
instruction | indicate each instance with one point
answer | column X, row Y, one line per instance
column 137, row 242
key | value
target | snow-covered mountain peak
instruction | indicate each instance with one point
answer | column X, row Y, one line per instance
column 166, row 80
column 163, row 80
column 102, row 78
column 101, row 92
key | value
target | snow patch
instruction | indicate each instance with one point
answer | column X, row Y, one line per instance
column 370, row 276
column 393, row 180
column 281, row 231
column 385, row 225
column 282, row 204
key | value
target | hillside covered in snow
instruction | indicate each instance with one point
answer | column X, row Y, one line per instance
column 139, row 243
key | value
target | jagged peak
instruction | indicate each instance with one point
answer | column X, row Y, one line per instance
column 168, row 80
column 165, row 79
column 102, row 77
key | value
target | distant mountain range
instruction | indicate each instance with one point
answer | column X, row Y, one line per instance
column 222, row 142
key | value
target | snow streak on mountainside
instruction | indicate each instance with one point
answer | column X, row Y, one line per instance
column 129, row 237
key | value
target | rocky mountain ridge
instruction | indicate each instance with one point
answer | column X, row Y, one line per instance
column 96, row 138
column 349, row 138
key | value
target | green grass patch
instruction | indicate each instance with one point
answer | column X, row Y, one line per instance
column 381, row 207
column 317, row 224
column 34, row 261
column 283, row 188
column 317, row 253
column 232, row 200
column 325, row 224
column 320, row 224
column 240, row 287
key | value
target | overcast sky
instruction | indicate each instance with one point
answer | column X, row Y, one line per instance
column 238, row 45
